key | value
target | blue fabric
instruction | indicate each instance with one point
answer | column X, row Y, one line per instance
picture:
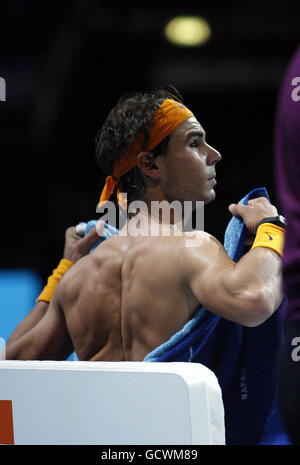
column 243, row 359
column 108, row 232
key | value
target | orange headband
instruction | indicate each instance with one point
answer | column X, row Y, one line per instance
column 167, row 118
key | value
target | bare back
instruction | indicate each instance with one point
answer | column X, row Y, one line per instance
column 133, row 293
column 126, row 298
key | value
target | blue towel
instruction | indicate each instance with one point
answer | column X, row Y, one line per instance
column 108, row 232
column 243, row 359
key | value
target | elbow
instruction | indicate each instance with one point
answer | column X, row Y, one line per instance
column 8, row 353
column 258, row 308
column 12, row 351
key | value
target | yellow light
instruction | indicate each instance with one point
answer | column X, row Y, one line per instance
column 188, row 31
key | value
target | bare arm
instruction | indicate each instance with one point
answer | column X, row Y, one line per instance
column 33, row 317
column 47, row 340
column 246, row 292
column 74, row 249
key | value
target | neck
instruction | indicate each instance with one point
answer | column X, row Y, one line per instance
column 155, row 217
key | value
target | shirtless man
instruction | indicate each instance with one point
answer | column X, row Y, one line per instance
column 133, row 293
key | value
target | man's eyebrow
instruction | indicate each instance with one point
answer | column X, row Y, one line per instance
column 194, row 133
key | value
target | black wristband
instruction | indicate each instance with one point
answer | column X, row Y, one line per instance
column 278, row 220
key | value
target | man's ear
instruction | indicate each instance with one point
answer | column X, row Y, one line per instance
column 146, row 163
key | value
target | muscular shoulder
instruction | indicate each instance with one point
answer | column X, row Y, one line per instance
column 201, row 242
column 201, row 250
column 70, row 283
column 100, row 267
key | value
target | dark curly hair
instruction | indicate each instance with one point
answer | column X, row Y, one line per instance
column 133, row 113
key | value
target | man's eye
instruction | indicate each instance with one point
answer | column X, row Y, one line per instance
column 195, row 143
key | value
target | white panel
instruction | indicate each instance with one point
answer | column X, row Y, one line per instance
column 113, row 403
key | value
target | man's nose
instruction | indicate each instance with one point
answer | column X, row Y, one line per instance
column 213, row 156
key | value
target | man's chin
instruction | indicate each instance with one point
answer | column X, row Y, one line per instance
column 209, row 197
column 205, row 199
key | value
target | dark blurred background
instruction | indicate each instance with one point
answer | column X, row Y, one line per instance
column 66, row 63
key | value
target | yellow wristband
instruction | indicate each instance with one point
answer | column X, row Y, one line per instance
column 53, row 280
column 271, row 236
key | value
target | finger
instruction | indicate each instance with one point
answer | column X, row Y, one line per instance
column 257, row 200
column 70, row 230
column 71, row 235
column 236, row 209
column 90, row 238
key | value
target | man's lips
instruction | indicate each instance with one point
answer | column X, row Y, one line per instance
column 212, row 180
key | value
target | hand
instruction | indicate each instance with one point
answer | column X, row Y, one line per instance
column 77, row 247
column 256, row 210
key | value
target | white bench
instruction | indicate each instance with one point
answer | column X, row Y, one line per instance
column 112, row 403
